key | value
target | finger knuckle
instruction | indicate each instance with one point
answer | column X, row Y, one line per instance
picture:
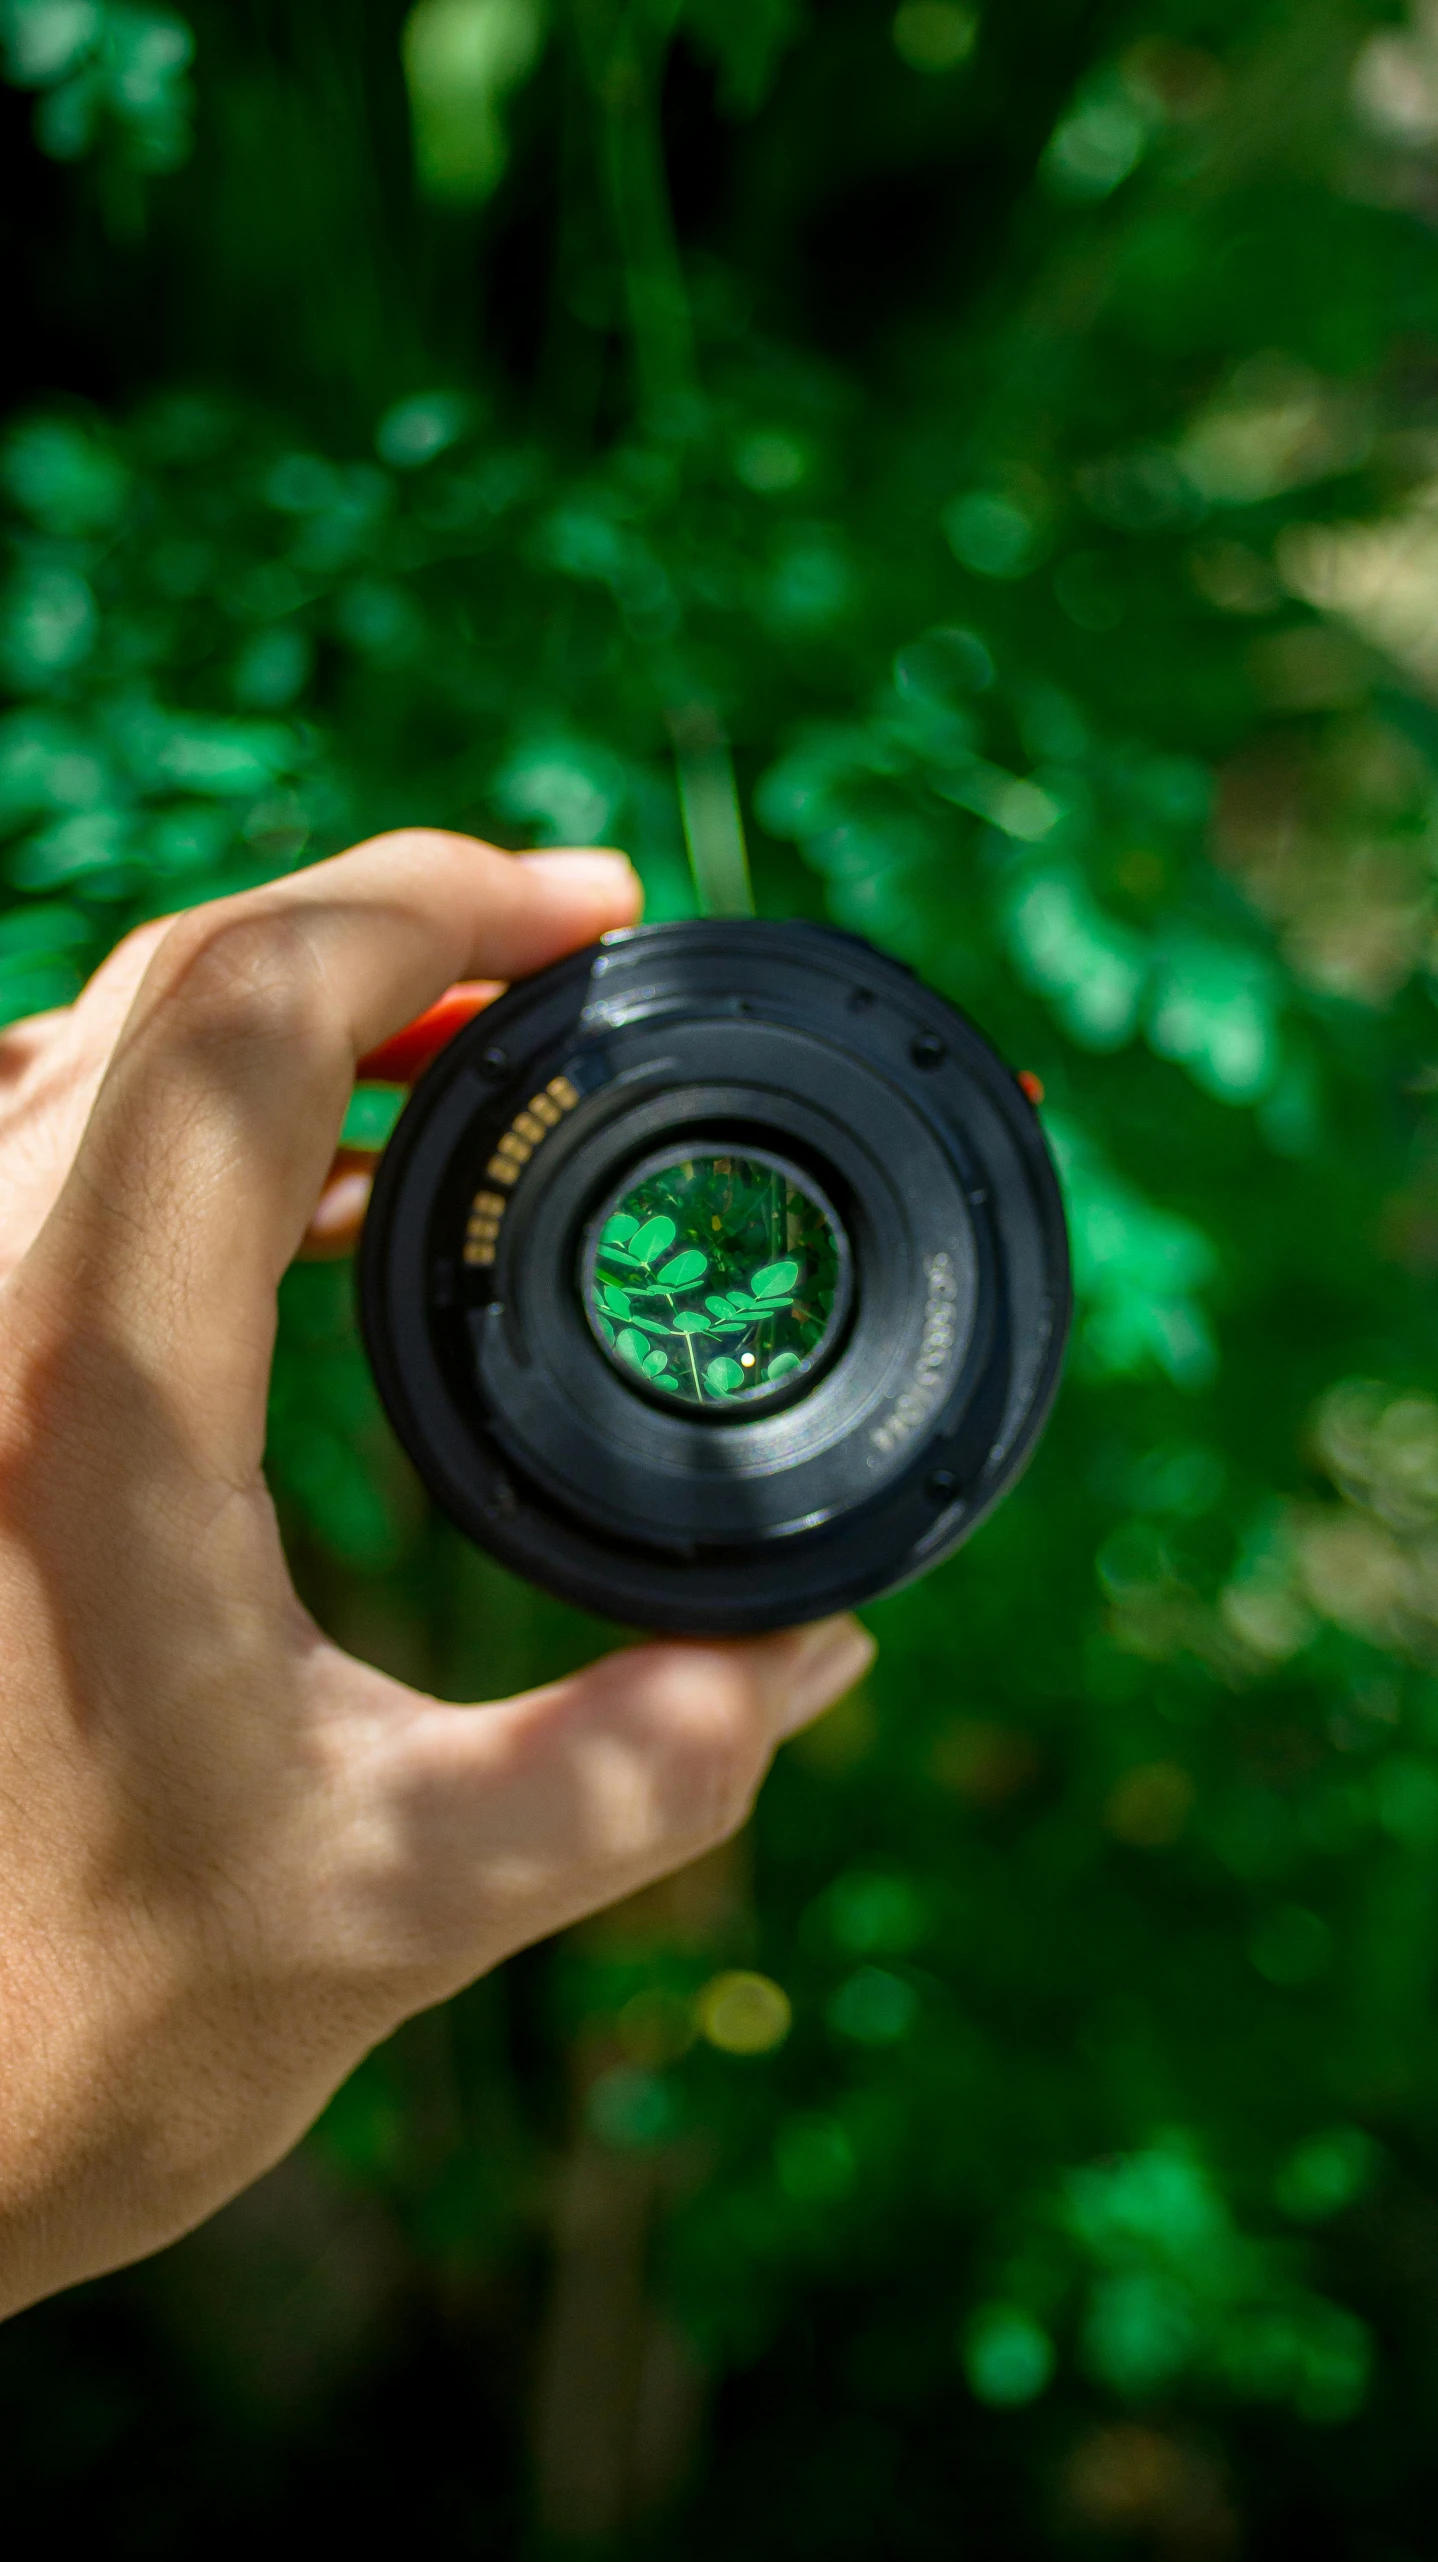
column 715, row 1750
column 135, row 949
column 249, row 978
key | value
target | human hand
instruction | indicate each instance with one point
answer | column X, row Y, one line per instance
column 232, row 1858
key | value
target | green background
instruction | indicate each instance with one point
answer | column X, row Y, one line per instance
column 1021, row 430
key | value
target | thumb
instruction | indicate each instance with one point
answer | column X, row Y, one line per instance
column 514, row 1820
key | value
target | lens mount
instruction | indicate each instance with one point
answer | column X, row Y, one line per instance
column 824, row 1168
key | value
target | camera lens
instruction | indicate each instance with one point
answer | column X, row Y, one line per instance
column 716, row 1277
column 720, row 1281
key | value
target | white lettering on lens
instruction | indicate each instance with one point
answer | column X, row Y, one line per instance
column 925, row 1390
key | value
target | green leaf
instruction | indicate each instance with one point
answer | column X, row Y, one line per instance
column 723, row 1376
column 655, row 1362
column 716, row 1306
column 631, row 1346
column 616, row 1300
column 774, row 1280
column 653, row 1239
column 616, row 1254
column 782, row 1364
column 619, row 1229
column 741, row 1299
column 685, row 1270
column 689, row 1321
column 45, row 930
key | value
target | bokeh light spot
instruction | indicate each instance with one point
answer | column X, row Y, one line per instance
column 1008, row 2357
column 744, row 2014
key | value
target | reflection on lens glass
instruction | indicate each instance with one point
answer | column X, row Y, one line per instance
column 716, row 1279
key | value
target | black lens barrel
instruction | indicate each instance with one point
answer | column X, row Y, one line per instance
column 794, row 1043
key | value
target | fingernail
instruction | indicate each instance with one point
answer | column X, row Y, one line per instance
column 833, row 1655
column 597, row 869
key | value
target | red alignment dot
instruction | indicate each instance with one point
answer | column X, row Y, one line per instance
column 1032, row 1085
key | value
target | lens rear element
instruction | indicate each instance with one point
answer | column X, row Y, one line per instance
column 717, row 1280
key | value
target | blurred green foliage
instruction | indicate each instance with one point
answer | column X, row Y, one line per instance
column 1018, row 426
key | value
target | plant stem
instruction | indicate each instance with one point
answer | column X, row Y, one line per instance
column 623, row 44
column 709, row 801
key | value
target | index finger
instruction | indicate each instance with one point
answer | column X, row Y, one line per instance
column 216, row 1120
column 401, row 918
